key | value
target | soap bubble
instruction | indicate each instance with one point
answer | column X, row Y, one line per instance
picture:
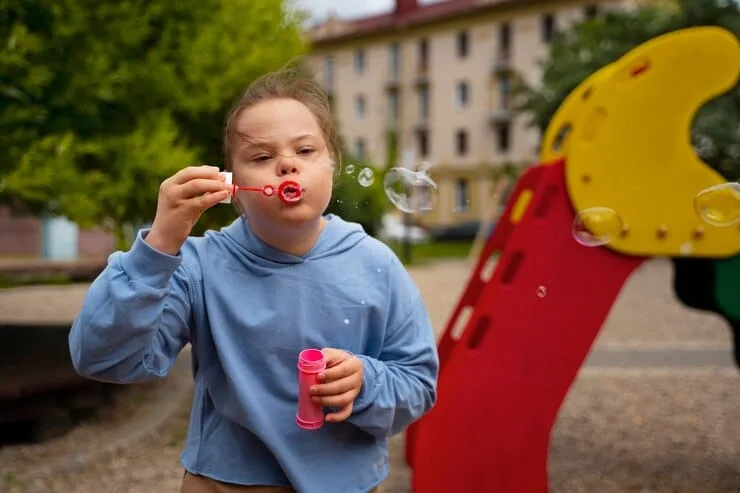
column 541, row 291
column 366, row 177
column 596, row 226
column 349, row 169
column 410, row 191
column 719, row 205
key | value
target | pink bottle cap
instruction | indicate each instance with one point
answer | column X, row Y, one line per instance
column 311, row 361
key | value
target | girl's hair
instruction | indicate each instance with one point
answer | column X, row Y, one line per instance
column 291, row 83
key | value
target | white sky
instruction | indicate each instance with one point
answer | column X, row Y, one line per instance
column 345, row 8
column 348, row 8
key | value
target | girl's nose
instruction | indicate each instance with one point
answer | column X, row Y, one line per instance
column 287, row 166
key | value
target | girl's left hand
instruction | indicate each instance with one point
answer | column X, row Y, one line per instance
column 340, row 385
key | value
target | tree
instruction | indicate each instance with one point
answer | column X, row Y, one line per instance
column 592, row 44
column 359, row 195
column 100, row 101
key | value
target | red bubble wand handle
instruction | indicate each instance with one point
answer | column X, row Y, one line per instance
column 288, row 192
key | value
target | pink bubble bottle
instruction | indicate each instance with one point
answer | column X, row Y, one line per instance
column 310, row 363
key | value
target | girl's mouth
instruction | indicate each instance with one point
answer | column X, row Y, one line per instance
column 290, row 192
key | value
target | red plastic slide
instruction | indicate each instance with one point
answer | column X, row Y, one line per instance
column 533, row 323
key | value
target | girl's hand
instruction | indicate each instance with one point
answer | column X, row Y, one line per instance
column 340, row 383
column 183, row 198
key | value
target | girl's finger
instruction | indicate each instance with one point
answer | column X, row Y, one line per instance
column 339, row 371
column 340, row 415
column 198, row 187
column 335, row 387
column 193, row 172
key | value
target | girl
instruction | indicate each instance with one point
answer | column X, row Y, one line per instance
column 281, row 278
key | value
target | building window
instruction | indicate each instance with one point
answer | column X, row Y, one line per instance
column 329, row 73
column 394, row 61
column 360, row 62
column 462, row 94
column 360, row 106
column 423, row 98
column 503, row 138
column 462, row 195
column 393, row 111
column 590, row 11
column 422, row 143
column 462, row 44
column 423, row 55
column 360, row 148
column 548, row 28
column 504, row 40
column 461, row 142
column 504, row 87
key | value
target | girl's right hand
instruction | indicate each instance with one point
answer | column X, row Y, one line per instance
column 183, row 198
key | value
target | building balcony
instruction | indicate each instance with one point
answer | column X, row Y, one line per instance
column 421, row 124
column 502, row 66
column 421, row 79
column 500, row 116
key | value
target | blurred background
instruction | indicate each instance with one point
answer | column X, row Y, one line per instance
column 102, row 101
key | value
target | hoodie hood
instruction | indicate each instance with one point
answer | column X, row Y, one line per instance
column 337, row 237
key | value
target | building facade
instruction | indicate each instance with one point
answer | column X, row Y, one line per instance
column 32, row 237
column 436, row 80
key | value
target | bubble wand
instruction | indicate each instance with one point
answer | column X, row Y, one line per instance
column 289, row 192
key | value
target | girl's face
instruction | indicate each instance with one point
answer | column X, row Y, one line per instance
column 280, row 140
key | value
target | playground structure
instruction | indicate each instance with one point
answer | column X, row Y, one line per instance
column 619, row 141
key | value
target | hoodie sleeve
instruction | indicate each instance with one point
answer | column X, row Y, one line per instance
column 400, row 385
column 134, row 319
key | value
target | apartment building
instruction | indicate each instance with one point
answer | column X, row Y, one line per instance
column 435, row 79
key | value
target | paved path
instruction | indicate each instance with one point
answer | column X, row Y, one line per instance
column 647, row 327
column 662, row 358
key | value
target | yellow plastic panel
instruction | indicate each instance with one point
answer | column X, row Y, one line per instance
column 520, row 206
column 631, row 149
column 556, row 141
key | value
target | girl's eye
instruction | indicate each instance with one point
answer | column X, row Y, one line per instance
column 261, row 158
column 306, row 151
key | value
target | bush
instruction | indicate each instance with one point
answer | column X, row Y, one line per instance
column 357, row 203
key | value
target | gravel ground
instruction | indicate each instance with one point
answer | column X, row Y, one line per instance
column 150, row 465
column 133, row 412
column 640, row 431
column 670, row 433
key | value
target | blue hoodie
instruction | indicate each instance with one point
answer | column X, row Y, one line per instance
column 248, row 310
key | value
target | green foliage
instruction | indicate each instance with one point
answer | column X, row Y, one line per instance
column 391, row 145
column 592, row 44
column 424, row 253
column 510, row 170
column 100, row 101
column 364, row 203
column 353, row 201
